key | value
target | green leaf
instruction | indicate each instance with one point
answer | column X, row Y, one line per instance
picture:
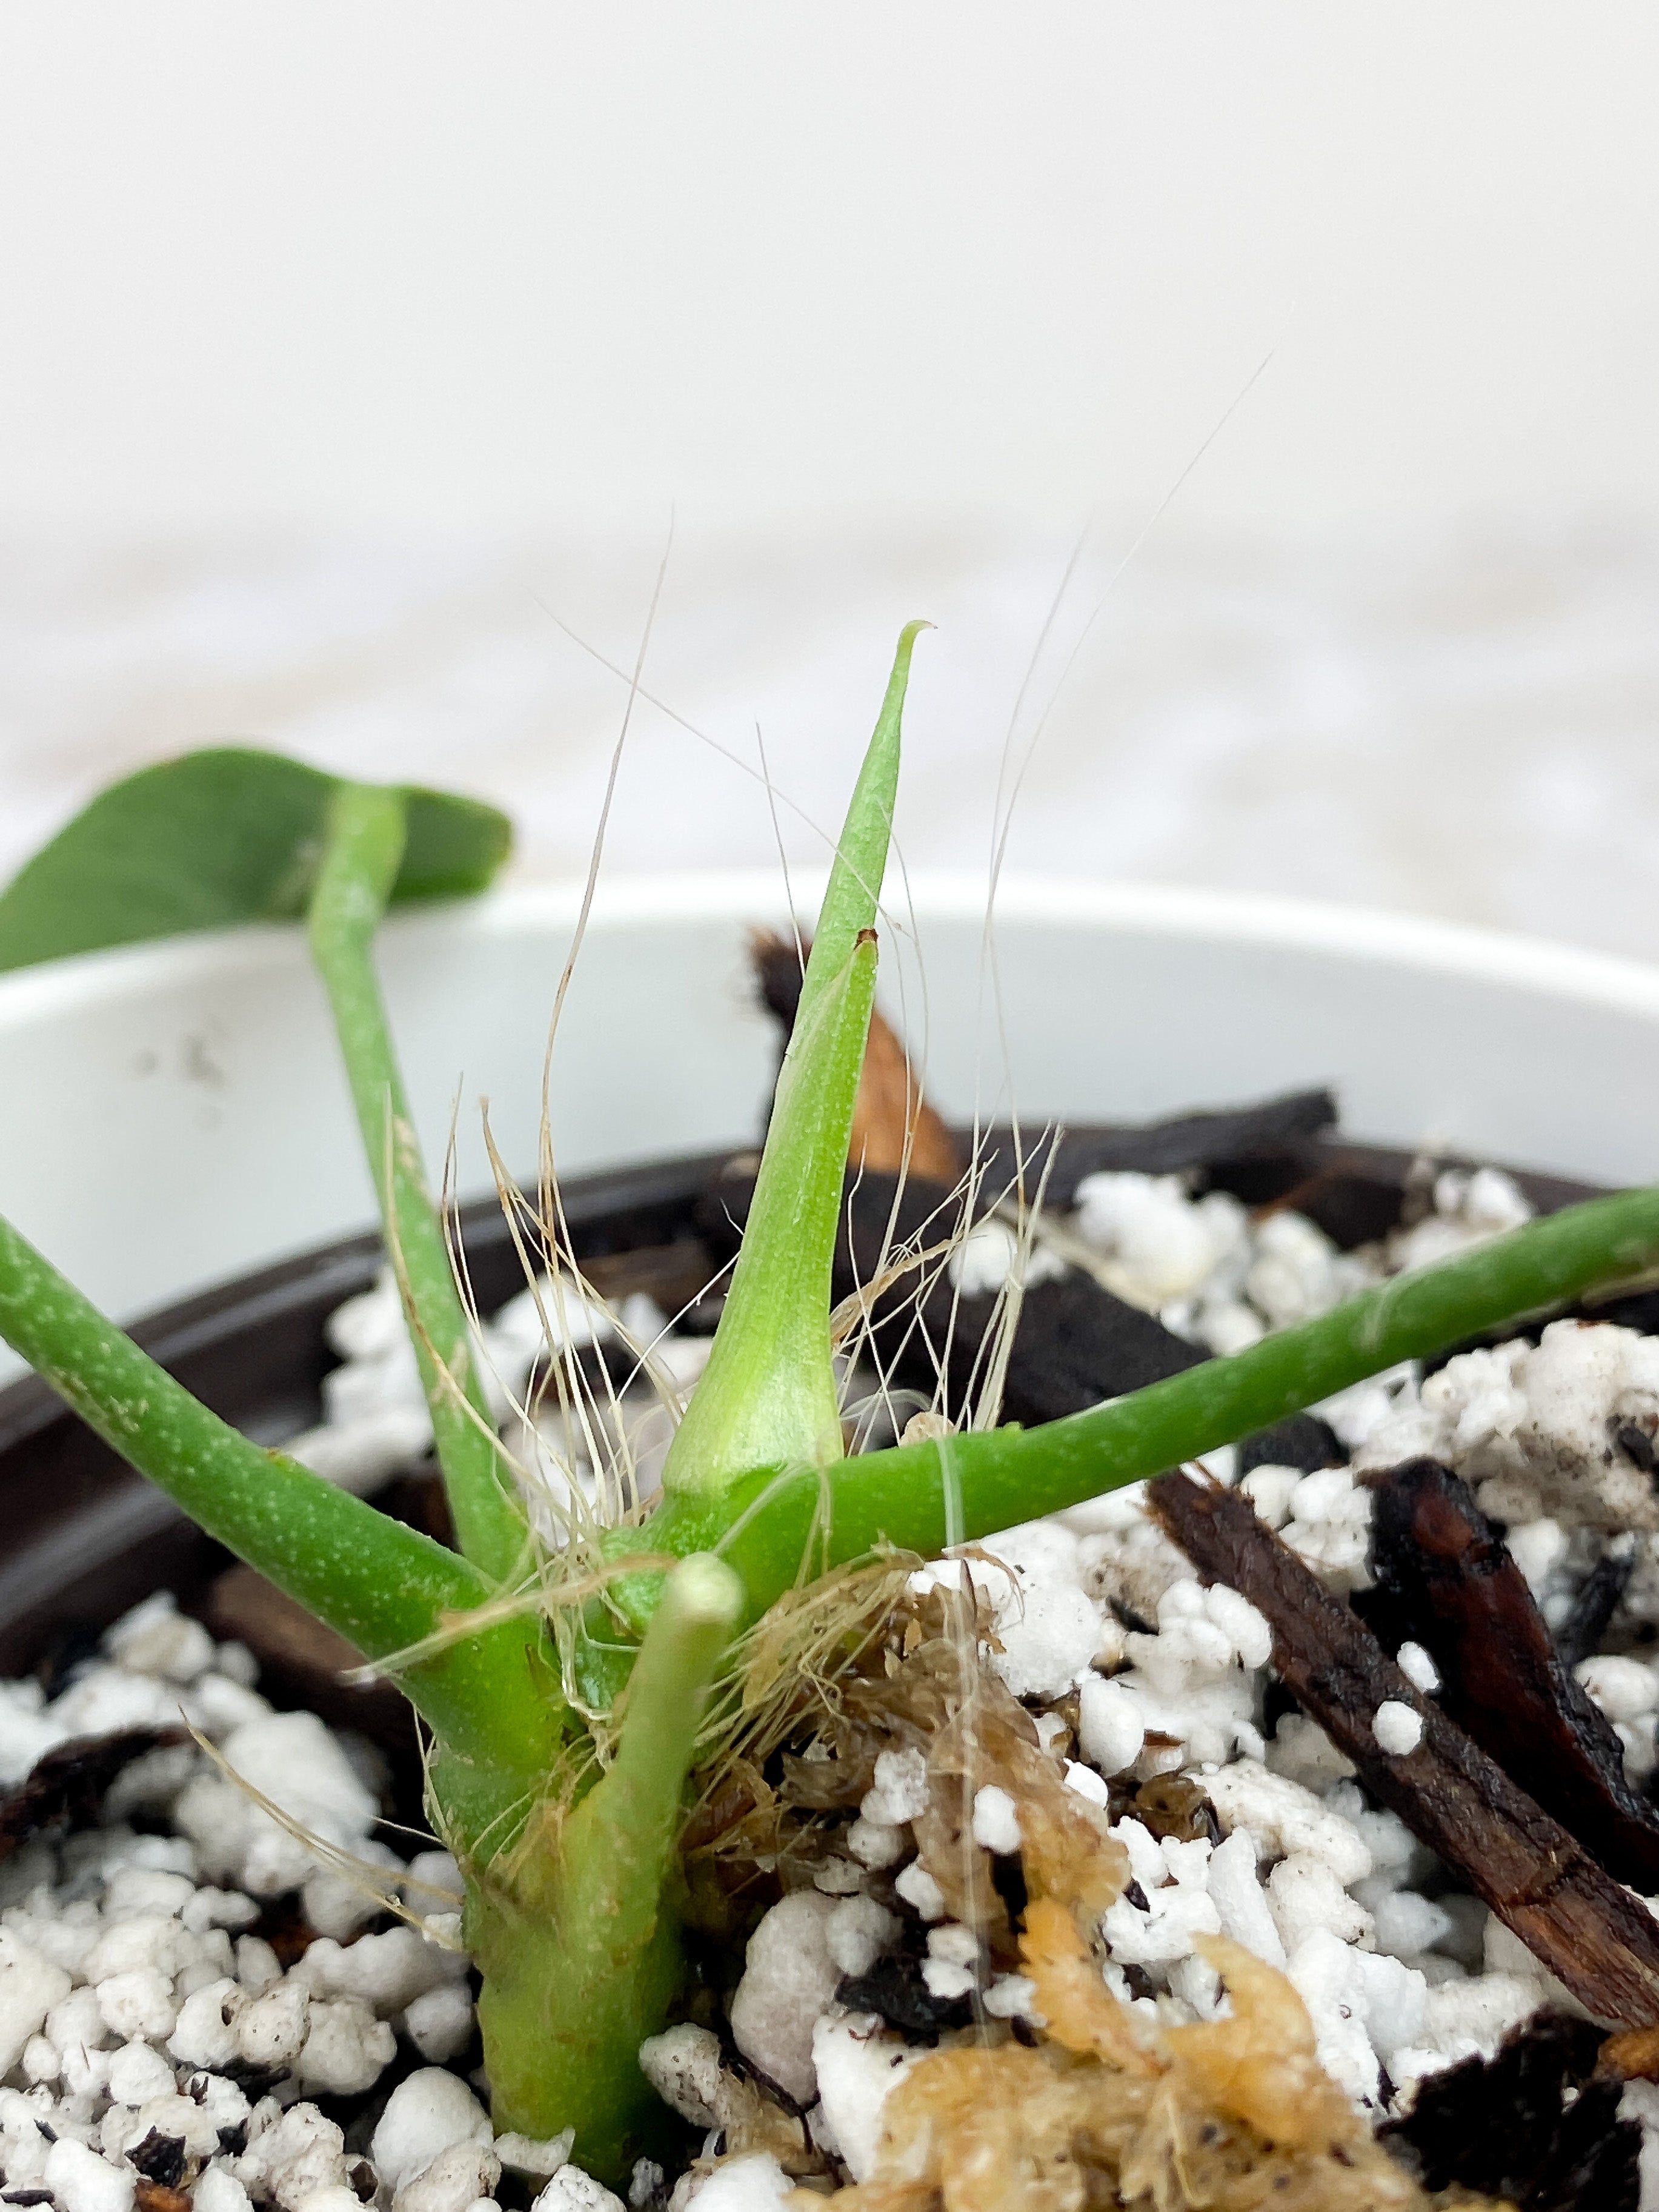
column 230, row 835
column 768, row 1395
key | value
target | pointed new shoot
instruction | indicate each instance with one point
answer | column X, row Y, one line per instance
column 767, row 1396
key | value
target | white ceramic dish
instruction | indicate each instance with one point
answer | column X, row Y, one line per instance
column 173, row 1115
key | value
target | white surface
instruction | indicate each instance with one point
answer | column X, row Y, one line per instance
column 530, row 261
column 183, row 1117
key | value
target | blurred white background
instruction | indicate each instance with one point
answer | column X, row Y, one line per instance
column 352, row 351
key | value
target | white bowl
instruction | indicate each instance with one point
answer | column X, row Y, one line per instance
column 175, row 1115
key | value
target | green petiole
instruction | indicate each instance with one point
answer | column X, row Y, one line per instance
column 361, row 855
column 382, row 1586
column 999, row 1477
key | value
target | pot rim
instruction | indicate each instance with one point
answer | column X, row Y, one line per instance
column 1375, row 936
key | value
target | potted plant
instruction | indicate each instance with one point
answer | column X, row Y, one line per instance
column 566, row 1690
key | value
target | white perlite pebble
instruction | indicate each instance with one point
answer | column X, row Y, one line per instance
column 859, row 2060
column 301, row 2151
column 385, row 1971
column 257, row 1964
column 996, row 1821
column 789, row 1979
column 1281, row 1817
column 1625, row 1689
column 683, row 2065
column 945, row 1980
column 137, row 2073
column 572, row 2191
column 1050, row 1635
column 425, row 2114
column 875, row 1844
column 1240, row 1900
column 457, row 2177
column 220, row 2191
column 29, row 1987
column 917, row 1888
column 346, row 2049
column 433, row 1879
column 535, row 2154
column 41, row 2061
column 205, row 2032
column 1529, row 1426
column 758, row 2184
column 440, row 2023
column 26, row 1733
column 1111, row 1724
column 1164, row 1242
column 954, row 1942
column 132, row 1892
column 271, row 2031
column 157, row 1639
column 84, row 2182
column 1084, row 1782
column 138, row 2004
column 218, row 1908
column 1398, row 1728
column 901, row 1789
column 645, row 2184
column 1011, row 1996
column 298, row 1765
column 857, row 1932
column 1418, row 1668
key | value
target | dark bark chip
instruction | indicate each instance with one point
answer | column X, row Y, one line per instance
column 1445, row 1580
column 1303, row 1440
column 68, row 1784
column 1580, row 1634
column 1533, row 2123
column 160, row 2158
column 1568, row 1910
column 894, row 1988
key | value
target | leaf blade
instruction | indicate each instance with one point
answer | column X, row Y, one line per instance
column 224, row 836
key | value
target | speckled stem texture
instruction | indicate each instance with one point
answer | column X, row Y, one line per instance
column 364, row 848
column 382, row 1586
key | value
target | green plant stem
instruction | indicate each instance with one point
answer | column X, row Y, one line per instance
column 382, row 1586
column 360, row 864
column 579, row 1942
column 765, row 1525
column 769, row 1391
